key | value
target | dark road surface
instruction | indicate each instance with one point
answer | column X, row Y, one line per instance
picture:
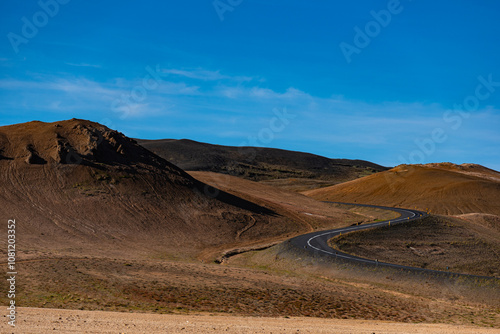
column 316, row 243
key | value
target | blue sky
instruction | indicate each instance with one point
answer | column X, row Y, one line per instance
column 386, row 81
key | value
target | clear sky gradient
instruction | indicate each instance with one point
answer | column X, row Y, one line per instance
column 386, row 81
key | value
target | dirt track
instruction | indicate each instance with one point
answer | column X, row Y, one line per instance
column 39, row 321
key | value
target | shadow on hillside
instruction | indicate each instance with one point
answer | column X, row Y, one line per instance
column 233, row 200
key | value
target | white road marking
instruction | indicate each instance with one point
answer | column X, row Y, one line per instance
column 355, row 228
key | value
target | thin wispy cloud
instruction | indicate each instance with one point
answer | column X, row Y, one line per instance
column 84, row 65
column 220, row 81
column 236, row 112
column 205, row 75
column 388, row 114
column 78, row 86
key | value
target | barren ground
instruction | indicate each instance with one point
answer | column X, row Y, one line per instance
column 259, row 283
column 295, row 171
column 435, row 242
column 444, row 188
column 42, row 321
column 127, row 231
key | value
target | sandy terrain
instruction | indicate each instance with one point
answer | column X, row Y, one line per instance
column 435, row 242
column 40, row 321
column 294, row 205
column 443, row 188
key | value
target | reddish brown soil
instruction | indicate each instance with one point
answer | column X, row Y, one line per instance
column 78, row 187
column 316, row 214
column 103, row 223
column 435, row 242
column 42, row 321
column 260, row 163
column 441, row 188
column 298, row 208
column 163, row 286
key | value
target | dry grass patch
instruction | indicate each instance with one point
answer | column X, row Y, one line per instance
column 435, row 242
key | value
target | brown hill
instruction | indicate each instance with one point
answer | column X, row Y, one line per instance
column 77, row 186
column 104, row 224
column 314, row 214
column 289, row 169
column 443, row 188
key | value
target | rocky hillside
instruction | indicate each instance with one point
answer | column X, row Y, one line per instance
column 79, row 186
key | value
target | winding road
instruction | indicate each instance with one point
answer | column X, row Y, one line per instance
column 316, row 243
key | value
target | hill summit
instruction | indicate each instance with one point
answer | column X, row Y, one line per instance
column 443, row 188
column 78, row 185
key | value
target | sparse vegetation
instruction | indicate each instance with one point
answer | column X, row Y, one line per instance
column 272, row 166
column 103, row 177
column 434, row 242
column 131, row 232
column 176, row 287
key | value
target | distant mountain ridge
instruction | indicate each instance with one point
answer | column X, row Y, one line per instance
column 257, row 163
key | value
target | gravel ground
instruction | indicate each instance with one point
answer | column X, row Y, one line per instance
column 39, row 321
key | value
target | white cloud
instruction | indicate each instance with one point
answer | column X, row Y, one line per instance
column 176, row 88
column 205, row 75
column 83, row 65
column 235, row 110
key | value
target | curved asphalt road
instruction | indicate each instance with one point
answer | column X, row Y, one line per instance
column 316, row 243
